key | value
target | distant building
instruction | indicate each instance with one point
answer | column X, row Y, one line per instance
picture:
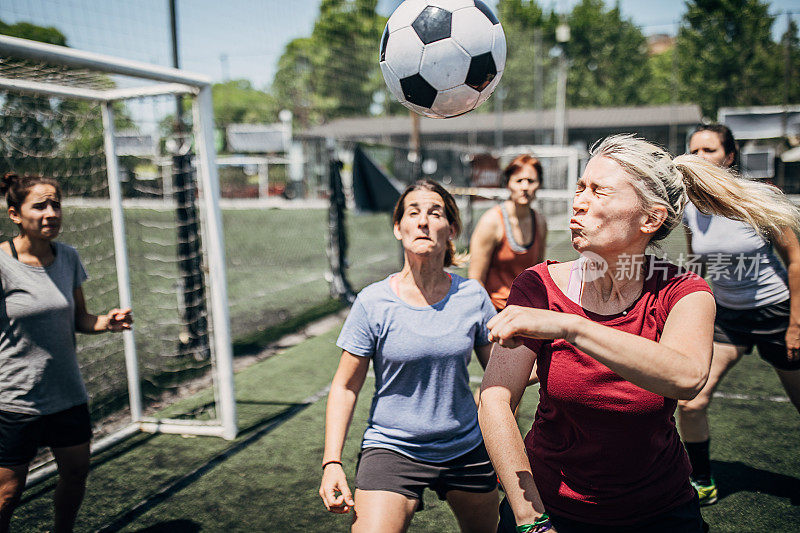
column 666, row 125
column 769, row 140
column 452, row 142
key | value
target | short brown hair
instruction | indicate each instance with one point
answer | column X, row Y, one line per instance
column 517, row 164
column 450, row 211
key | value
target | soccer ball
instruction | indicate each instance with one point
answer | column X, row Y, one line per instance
column 442, row 58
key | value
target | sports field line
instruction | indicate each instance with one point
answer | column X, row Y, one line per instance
column 179, row 484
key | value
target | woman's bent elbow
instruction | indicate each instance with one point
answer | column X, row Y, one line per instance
column 692, row 387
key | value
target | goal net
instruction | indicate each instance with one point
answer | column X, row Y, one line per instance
column 472, row 175
column 149, row 234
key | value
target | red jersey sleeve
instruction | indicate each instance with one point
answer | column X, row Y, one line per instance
column 678, row 285
column 529, row 290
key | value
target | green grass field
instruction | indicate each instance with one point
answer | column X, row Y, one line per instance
column 267, row 479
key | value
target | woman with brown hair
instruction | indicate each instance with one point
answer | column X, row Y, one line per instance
column 43, row 400
column 758, row 302
column 512, row 236
column 419, row 327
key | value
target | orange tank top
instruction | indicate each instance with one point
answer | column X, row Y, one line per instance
column 510, row 258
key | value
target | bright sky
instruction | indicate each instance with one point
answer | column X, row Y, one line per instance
column 245, row 38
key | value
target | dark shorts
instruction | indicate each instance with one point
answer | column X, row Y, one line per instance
column 21, row 435
column 763, row 327
column 382, row 469
column 684, row 519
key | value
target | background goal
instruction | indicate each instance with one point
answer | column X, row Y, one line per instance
column 94, row 123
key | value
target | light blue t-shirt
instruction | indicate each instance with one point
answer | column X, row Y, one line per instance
column 422, row 406
column 743, row 269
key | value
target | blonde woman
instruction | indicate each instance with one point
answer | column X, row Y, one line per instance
column 616, row 347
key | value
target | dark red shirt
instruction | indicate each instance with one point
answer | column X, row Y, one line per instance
column 602, row 449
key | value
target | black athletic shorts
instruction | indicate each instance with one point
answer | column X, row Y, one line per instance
column 382, row 469
column 682, row 519
column 21, row 435
column 763, row 327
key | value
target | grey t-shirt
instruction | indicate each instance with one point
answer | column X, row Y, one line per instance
column 743, row 269
column 39, row 371
column 422, row 406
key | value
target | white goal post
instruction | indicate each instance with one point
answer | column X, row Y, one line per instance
column 148, row 80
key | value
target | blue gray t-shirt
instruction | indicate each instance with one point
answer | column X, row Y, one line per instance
column 423, row 406
column 39, row 371
column 743, row 269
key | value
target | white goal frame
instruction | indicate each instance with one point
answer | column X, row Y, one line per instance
column 170, row 82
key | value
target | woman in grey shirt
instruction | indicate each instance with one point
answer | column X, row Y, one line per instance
column 43, row 400
column 758, row 302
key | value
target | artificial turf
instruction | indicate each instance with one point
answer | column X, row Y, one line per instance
column 267, row 479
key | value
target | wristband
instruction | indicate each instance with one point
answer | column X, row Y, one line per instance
column 331, row 463
column 540, row 525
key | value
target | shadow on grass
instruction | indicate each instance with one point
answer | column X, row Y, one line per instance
column 97, row 461
column 733, row 476
column 251, row 434
column 172, row 526
column 255, row 342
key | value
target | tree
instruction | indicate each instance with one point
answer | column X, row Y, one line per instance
column 238, row 102
column 726, row 55
column 334, row 72
column 607, row 55
column 292, row 87
column 51, row 136
column 791, row 63
column 526, row 25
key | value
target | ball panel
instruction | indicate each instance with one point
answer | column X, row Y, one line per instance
column 452, row 5
column 455, row 101
column 486, row 10
column 482, row 71
column 487, row 92
column 384, row 40
column 499, row 47
column 444, row 64
column 424, row 111
column 392, row 81
column 404, row 52
column 417, row 90
column 433, row 24
column 473, row 31
column 405, row 14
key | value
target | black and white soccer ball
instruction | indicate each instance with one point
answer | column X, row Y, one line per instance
column 442, row 58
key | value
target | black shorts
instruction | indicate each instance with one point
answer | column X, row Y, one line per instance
column 763, row 327
column 382, row 469
column 21, row 435
column 684, row 519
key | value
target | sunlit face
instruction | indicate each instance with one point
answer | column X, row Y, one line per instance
column 523, row 185
column 39, row 216
column 424, row 229
column 708, row 145
column 607, row 212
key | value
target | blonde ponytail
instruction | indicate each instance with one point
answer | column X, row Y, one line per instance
column 715, row 190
